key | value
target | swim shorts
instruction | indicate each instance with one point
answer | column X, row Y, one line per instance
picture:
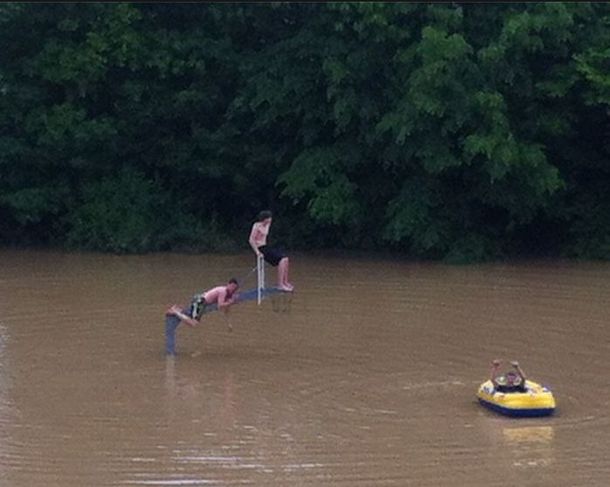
column 197, row 307
column 272, row 255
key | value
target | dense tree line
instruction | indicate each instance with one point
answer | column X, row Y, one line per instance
column 457, row 131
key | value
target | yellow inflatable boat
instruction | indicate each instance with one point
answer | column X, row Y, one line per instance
column 537, row 400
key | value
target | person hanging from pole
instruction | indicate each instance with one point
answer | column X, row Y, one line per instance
column 272, row 255
column 222, row 296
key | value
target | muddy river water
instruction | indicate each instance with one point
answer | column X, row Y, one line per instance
column 365, row 376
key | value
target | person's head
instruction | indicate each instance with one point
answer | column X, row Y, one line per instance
column 513, row 379
column 264, row 216
column 233, row 285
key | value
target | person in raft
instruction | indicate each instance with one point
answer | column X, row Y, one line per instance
column 512, row 381
column 273, row 255
column 222, row 296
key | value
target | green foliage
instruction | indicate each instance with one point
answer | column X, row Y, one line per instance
column 416, row 214
column 30, row 205
column 128, row 212
column 448, row 131
column 317, row 176
column 118, row 214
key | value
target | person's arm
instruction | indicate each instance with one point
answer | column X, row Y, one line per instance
column 515, row 364
column 223, row 302
column 252, row 240
column 495, row 366
column 228, row 321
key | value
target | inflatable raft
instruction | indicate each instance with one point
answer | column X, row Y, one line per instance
column 536, row 401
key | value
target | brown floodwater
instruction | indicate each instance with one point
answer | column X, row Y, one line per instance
column 366, row 376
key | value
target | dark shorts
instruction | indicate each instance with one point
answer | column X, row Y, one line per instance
column 272, row 255
column 197, row 307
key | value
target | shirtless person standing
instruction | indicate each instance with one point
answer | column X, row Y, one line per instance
column 222, row 296
column 272, row 255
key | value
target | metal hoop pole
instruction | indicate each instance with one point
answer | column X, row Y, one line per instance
column 263, row 272
column 260, row 275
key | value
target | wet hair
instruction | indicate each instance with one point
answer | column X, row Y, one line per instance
column 234, row 281
column 263, row 215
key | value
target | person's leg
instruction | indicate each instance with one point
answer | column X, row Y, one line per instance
column 286, row 281
column 281, row 271
column 171, row 323
column 283, row 275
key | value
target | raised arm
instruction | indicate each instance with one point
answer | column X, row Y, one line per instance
column 495, row 366
column 519, row 370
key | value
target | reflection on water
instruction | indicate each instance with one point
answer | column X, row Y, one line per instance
column 528, row 434
column 530, row 446
column 366, row 375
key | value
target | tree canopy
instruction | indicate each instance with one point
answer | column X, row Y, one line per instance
column 459, row 131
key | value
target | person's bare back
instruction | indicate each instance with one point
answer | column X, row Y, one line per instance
column 217, row 294
column 223, row 296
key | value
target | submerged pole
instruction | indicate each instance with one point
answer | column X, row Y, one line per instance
column 260, row 275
